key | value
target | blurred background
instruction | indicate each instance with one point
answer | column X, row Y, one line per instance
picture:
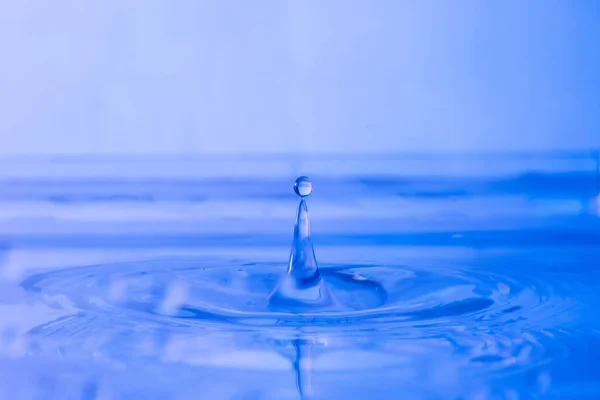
column 298, row 76
column 155, row 123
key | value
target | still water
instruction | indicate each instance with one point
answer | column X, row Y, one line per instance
column 400, row 277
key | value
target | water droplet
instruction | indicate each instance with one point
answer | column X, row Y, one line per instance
column 303, row 186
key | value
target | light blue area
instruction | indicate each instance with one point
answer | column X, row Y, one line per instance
column 298, row 76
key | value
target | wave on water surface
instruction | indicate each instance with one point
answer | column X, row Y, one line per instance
column 501, row 310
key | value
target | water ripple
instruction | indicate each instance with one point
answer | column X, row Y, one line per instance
column 482, row 322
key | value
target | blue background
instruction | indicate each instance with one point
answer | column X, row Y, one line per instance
column 298, row 76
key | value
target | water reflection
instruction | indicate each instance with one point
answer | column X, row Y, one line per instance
column 303, row 366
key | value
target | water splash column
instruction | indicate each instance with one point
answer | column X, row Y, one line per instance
column 303, row 263
column 302, row 287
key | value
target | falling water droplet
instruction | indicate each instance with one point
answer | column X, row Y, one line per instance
column 303, row 186
column 303, row 285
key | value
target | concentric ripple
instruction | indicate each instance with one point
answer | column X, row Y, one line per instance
column 391, row 296
column 428, row 316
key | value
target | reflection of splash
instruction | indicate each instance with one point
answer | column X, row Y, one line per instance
column 303, row 367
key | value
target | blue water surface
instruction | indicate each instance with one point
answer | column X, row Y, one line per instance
column 471, row 277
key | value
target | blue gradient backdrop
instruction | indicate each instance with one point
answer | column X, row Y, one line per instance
column 120, row 76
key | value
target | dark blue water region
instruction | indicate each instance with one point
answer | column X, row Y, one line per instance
column 500, row 238
column 99, row 190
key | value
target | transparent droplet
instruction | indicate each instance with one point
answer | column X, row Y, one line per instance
column 303, row 186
